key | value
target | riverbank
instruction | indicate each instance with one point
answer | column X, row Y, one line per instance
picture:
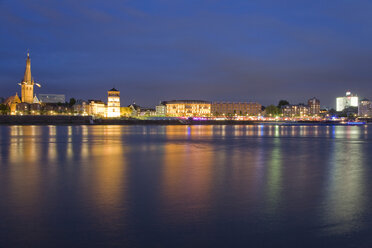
column 44, row 120
column 88, row 120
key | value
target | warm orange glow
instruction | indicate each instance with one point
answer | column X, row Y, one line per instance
column 188, row 108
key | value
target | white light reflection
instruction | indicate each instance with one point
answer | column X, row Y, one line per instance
column 345, row 195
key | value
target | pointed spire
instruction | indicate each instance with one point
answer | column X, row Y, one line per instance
column 27, row 77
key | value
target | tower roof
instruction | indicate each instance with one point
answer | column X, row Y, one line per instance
column 27, row 77
column 113, row 89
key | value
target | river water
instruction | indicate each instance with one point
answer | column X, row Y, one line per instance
column 186, row 186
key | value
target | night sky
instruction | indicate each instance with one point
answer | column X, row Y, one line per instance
column 214, row 50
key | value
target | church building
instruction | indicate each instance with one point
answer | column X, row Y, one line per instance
column 27, row 84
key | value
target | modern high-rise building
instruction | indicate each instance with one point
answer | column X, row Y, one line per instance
column 27, row 84
column 113, row 103
column 365, row 108
column 314, row 106
column 350, row 100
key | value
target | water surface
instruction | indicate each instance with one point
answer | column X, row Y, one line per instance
column 182, row 186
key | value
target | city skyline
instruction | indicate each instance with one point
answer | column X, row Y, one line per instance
column 28, row 72
column 260, row 52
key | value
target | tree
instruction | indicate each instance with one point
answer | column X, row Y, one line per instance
column 350, row 112
column 125, row 111
column 272, row 110
column 282, row 103
column 72, row 102
column 332, row 112
column 4, row 109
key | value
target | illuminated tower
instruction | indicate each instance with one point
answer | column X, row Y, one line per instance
column 27, row 84
column 113, row 103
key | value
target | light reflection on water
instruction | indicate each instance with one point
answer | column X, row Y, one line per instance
column 185, row 185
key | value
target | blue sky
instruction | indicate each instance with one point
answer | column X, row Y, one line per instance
column 214, row 50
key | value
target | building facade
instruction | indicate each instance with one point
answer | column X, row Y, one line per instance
column 365, row 108
column 113, row 103
column 12, row 102
column 97, row 108
column 235, row 108
column 81, row 107
column 161, row 110
column 299, row 110
column 314, row 106
column 349, row 100
column 188, row 108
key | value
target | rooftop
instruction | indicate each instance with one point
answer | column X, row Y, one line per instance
column 185, row 102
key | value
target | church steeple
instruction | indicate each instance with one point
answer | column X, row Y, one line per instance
column 27, row 84
column 27, row 77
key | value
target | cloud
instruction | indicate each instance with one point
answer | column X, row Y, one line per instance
column 216, row 50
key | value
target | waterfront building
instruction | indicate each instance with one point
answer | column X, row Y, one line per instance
column 35, row 108
column 12, row 102
column 147, row 111
column 52, row 98
column 324, row 112
column 365, row 108
column 136, row 109
column 314, row 106
column 27, row 84
column 161, row 110
column 113, row 103
column 188, row 108
column 56, row 109
column 23, row 108
column 235, row 108
column 81, row 107
column 349, row 100
column 97, row 108
column 299, row 110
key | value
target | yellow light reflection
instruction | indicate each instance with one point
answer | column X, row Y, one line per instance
column 179, row 183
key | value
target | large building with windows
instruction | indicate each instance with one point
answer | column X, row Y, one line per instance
column 314, row 106
column 161, row 110
column 236, row 108
column 97, row 108
column 349, row 100
column 299, row 110
column 188, row 108
column 113, row 103
column 365, row 108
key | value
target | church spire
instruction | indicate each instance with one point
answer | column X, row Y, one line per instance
column 27, row 77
